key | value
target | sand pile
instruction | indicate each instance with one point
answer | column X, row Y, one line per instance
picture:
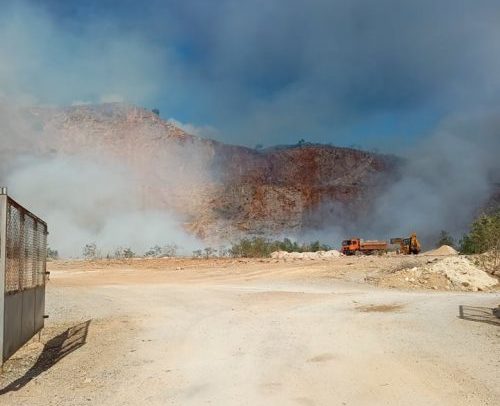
column 306, row 255
column 452, row 273
column 442, row 250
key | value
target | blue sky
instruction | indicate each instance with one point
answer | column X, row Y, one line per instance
column 378, row 74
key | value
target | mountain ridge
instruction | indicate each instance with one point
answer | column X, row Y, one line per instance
column 220, row 191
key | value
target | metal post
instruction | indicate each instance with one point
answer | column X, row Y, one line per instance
column 3, row 264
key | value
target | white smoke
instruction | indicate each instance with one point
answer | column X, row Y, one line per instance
column 87, row 198
column 445, row 181
column 84, row 197
column 84, row 201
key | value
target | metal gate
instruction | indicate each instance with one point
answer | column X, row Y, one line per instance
column 23, row 254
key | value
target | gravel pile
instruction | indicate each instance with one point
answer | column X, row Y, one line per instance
column 442, row 250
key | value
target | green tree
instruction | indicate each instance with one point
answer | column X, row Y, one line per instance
column 484, row 235
column 484, row 239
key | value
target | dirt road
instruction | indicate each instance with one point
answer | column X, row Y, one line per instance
column 253, row 333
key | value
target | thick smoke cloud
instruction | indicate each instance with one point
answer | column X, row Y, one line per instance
column 84, row 201
column 444, row 182
column 345, row 71
column 84, row 198
column 385, row 74
column 371, row 73
column 43, row 60
column 418, row 78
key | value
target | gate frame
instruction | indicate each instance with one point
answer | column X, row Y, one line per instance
column 3, row 262
column 19, row 335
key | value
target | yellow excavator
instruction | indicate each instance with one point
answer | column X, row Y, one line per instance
column 409, row 245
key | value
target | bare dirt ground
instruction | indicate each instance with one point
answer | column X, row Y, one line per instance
column 255, row 332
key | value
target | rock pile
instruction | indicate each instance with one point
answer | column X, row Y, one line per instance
column 306, row 255
column 451, row 273
column 462, row 272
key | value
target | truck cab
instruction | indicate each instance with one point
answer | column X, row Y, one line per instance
column 349, row 247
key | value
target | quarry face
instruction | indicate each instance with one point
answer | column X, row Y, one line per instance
column 220, row 192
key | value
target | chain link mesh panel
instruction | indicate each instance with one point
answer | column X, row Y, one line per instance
column 26, row 249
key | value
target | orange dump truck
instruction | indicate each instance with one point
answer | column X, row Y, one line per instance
column 357, row 245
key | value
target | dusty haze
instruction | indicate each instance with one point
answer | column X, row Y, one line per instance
column 122, row 177
column 86, row 195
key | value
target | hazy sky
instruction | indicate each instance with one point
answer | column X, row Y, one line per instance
column 372, row 73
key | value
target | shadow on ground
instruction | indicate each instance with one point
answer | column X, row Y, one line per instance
column 480, row 314
column 53, row 351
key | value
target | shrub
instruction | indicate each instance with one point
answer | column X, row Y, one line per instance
column 316, row 246
column 128, row 253
column 153, row 252
column 169, row 250
column 259, row 247
column 90, row 251
column 52, row 254
column 256, row 247
column 121, row 253
column 209, row 252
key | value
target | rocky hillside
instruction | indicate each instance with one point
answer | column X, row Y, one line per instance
column 221, row 191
